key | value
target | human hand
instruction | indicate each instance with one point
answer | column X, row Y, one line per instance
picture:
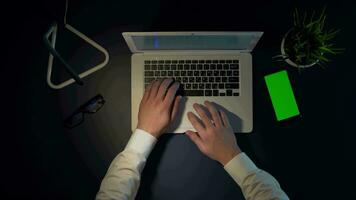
column 215, row 137
column 158, row 106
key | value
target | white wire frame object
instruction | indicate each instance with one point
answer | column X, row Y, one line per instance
column 53, row 32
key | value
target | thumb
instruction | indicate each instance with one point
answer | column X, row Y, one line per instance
column 194, row 137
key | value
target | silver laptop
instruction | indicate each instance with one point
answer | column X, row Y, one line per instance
column 213, row 66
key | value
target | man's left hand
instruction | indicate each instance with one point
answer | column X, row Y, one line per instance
column 158, row 107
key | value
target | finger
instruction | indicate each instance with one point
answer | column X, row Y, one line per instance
column 154, row 88
column 171, row 93
column 147, row 92
column 175, row 107
column 202, row 114
column 195, row 138
column 214, row 113
column 225, row 119
column 163, row 88
column 197, row 124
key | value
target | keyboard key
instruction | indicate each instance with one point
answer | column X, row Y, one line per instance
column 176, row 73
column 208, row 93
column 167, row 67
column 201, row 61
column 207, row 85
column 160, row 61
column 201, row 85
column 147, row 67
column 163, row 73
column 198, row 79
column 157, row 73
column 173, row 67
column 221, row 86
column 160, row 67
column 235, row 73
column 214, row 86
column 200, row 67
column 196, row 73
column 195, row 86
column 181, row 61
column 186, row 67
column 226, row 66
column 167, row 61
column 208, row 61
column 202, row 73
column 222, row 73
column 154, row 61
column 228, row 73
column 185, row 79
column 205, row 79
column 235, row 61
column 170, row 73
column 221, row 61
column 179, row 79
column 215, row 61
column 194, row 61
column 174, row 61
column 154, row 67
column 229, row 61
column 149, row 73
column 147, row 62
column 180, row 67
column 211, row 79
column 191, row 79
column 236, row 94
column 218, row 79
column 233, row 79
column 149, row 80
column 219, row 66
column 188, row 61
column 222, row 94
column 188, row 86
column 216, row 73
column 215, row 92
column 224, row 79
column 209, row 73
column 190, row 73
column 213, row 67
column 193, row 67
column 234, row 66
column 228, row 92
column 183, row 73
column 206, row 66
column 231, row 85
column 193, row 93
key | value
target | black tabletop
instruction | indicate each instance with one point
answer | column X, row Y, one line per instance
column 311, row 155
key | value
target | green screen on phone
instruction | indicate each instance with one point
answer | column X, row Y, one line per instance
column 282, row 96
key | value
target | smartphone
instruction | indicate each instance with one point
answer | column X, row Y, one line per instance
column 282, row 96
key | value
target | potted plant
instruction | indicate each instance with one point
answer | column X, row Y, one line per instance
column 307, row 43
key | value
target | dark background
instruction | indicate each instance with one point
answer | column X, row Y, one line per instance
column 312, row 156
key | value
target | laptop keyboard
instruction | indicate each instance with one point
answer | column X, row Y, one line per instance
column 197, row 77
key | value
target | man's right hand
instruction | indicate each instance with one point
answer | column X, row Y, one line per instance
column 215, row 137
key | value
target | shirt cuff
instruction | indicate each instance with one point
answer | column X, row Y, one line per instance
column 141, row 142
column 240, row 167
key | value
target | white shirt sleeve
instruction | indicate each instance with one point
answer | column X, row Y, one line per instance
column 122, row 179
column 255, row 183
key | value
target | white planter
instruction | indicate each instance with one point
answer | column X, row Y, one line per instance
column 290, row 62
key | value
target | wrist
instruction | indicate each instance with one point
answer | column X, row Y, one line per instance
column 150, row 131
column 229, row 156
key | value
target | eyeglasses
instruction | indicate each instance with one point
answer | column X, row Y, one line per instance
column 90, row 107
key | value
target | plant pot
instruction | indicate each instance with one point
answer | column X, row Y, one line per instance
column 289, row 61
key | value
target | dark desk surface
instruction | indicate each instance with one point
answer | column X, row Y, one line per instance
column 312, row 156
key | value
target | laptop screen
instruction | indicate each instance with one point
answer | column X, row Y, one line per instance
column 240, row 41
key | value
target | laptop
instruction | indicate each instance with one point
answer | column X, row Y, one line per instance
column 213, row 66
